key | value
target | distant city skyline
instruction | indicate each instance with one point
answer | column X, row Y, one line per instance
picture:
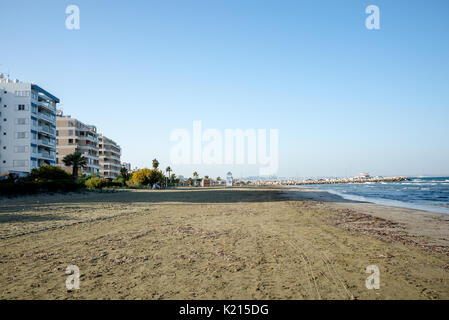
column 343, row 98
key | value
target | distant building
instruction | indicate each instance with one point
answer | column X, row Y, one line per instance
column 182, row 181
column 229, row 179
column 74, row 136
column 109, row 155
column 27, row 127
column 206, row 182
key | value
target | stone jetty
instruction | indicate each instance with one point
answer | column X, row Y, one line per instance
column 290, row 182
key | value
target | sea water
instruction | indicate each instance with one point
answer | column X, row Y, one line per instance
column 430, row 194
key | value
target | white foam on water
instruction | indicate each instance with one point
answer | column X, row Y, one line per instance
column 436, row 208
column 392, row 203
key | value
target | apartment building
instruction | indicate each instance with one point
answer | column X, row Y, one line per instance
column 109, row 155
column 27, row 126
column 73, row 136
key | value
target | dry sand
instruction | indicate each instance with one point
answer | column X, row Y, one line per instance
column 219, row 244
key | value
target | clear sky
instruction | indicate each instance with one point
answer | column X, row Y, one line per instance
column 345, row 99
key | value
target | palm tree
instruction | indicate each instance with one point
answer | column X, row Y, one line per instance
column 168, row 169
column 155, row 163
column 76, row 160
column 195, row 176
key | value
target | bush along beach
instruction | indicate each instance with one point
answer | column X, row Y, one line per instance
column 44, row 179
column 49, row 178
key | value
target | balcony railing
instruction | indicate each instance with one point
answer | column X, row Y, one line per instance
column 46, row 129
column 48, row 117
column 110, row 156
column 46, row 142
column 46, row 105
column 47, row 155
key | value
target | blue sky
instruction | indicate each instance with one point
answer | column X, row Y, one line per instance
column 345, row 99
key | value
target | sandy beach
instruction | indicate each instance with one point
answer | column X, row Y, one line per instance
column 237, row 243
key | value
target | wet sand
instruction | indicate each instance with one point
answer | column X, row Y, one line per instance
column 219, row 244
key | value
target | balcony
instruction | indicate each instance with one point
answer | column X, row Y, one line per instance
column 48, row 117
column 46, row 142
column 110, row 156
column 47, row 155
column 46, row 105
column 46, row 129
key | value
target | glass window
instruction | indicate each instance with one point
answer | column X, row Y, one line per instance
column 20, row 163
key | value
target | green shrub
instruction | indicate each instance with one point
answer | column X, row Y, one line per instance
column 59, row 186
column 47, row 172
column 134, row 184
column 32, row 187
column 82, row 180
column 95, row 183
column 119, row 182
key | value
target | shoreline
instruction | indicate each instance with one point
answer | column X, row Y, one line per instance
column 434, row 208
column 428, row 229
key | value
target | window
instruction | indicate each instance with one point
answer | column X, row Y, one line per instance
column 21, row 121
column 22, row 107
column 70, row 132
column 20, row 163
column 34, row 149
column 22, row 93
column 20, row 149
column 21, row 135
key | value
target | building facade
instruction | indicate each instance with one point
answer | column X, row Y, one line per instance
column 27, row 126
column 73, row 136
column 109, row 154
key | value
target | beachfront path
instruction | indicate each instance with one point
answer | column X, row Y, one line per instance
column 203, row 244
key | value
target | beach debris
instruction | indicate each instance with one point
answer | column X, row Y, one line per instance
column 388, row 256
column 382, row 229
column 188, row 230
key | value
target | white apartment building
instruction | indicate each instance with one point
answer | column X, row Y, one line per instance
column 27, row 126
column 109, row 155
